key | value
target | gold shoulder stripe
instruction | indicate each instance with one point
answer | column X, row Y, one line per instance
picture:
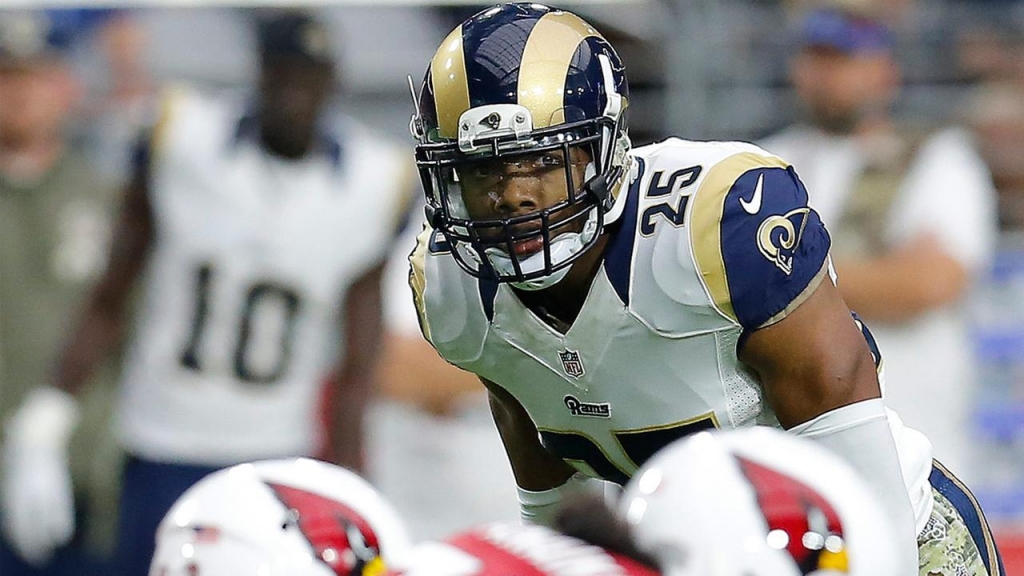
column 545, row 63
column 418, row 277
column 448, row 77
column 706, row 211
column 158, row 137
column 406, row 190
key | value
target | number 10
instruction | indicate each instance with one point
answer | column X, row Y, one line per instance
column 259, row 294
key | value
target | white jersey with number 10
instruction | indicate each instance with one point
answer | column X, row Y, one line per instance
column 252, row 256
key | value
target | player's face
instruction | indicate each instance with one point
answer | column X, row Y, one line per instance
column 510, row 187
column 292, row 95
column 840, row 89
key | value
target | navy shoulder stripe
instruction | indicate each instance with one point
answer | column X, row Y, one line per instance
column 582, row 82
column 618, row 256
column 488, row 291
column 876, row 355
column 498, row 43
column 967, row 505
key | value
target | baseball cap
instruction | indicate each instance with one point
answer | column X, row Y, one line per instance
column 295, row 34
column 844, row 31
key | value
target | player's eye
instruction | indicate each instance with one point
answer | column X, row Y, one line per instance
column 483, row 171
column 548, row 161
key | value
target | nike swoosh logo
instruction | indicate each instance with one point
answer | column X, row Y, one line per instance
column 753, row 206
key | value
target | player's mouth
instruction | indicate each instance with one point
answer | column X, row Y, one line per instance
column 528, row 247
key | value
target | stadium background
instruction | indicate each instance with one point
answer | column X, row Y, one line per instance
column 703, row 69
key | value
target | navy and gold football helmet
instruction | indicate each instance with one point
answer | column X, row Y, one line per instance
column 522, row 89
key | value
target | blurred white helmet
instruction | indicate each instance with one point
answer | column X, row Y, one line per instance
column 294, row 517
column 757, row 502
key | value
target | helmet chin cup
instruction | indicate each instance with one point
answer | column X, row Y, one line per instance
column 563, row 248
column 542, row 283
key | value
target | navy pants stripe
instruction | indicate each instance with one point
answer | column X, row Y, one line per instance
column 149, row 489
column 967, row 505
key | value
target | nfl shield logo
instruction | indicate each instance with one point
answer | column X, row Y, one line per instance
column 571, row 363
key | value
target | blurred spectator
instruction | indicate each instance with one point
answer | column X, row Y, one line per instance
column 434, row 450
column 258, row 230
column 55, row 220
column 124, row 101
column 912, row 218
column 996, row 113
column 994, row 54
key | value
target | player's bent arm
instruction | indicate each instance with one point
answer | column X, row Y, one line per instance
column 813, row 360
column 819, row 377
column 534, row 467
column 542, row 478
column 353, row 380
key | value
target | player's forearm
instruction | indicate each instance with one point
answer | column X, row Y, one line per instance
column 535, row 468
column 101, row 326
column 346, row 434
column 98, row 333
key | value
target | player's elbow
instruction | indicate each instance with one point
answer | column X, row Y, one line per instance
column 852, row 380
column 826, row 386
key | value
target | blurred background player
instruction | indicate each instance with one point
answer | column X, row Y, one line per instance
column 760, row 502
column 55, row 219
column 911, row 211
column 290, row 517
column 261, row 229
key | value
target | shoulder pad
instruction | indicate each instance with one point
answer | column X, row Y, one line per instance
column 449, row 302
column 758, row 247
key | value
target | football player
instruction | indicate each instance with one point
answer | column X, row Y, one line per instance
column 293, row 517
column 259, row 227
column 613, row 300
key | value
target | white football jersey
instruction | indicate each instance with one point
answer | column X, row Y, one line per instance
column 715, row 238
column 252, row 258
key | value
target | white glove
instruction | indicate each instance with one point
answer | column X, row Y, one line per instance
column 36, row 494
